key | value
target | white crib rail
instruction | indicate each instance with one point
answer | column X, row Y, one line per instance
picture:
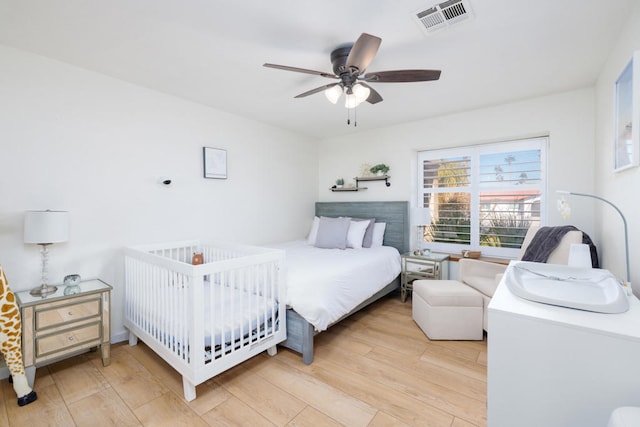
column 206, row 318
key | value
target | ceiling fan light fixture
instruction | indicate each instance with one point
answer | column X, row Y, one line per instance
column 350, row 101
column 333, row 93
column 361, row 93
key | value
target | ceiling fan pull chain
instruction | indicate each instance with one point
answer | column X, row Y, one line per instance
column 355, row 116
column 348, row 116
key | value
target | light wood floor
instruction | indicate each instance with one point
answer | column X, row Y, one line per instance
column 374, row 369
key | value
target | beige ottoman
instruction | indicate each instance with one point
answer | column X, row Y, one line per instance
column 447, row 310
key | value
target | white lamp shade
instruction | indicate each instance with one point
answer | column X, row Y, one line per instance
column 350, row 101
column 421, row 216
column 361, row 93
column 333, row 93
column 42, row 227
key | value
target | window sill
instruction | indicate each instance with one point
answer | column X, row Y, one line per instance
column 495, row 260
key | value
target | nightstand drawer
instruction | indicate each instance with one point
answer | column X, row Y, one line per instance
column 49, row 317
column 62, row 341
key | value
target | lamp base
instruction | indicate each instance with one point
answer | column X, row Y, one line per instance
column 43, row 291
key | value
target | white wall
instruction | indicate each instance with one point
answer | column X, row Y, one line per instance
column 96, row 146
column 621, row 188
column 568, row 118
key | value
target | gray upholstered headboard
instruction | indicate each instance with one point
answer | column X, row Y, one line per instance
column 395, row 214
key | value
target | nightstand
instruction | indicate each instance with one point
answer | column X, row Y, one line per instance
column 60, row 326
column 417, row 267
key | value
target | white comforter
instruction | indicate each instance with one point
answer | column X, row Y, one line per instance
column 325, row 284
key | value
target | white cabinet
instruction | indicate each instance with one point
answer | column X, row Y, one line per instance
column 553, row 366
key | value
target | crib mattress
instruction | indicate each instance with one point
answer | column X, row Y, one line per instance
column 229, row 315
column 234, row 313
column 325, row 284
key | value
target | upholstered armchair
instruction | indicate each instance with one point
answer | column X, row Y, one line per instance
column 484, row 276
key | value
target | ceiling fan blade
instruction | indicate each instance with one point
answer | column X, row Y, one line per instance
column 299, row 70
column 402, row 76
column 362, row 52
column 316, row 90
column 374, row 96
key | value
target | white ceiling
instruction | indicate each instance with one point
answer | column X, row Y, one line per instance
column 212, row 52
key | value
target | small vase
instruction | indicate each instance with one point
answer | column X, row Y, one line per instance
column 379, row 173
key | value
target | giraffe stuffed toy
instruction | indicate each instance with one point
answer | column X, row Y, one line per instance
column 11, row 342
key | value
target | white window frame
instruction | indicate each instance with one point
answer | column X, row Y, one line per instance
column 474, row 152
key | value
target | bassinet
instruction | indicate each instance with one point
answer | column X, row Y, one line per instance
column 204, row 319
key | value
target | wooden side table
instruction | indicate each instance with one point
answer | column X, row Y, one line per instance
column 60, row 326
column 418, row 267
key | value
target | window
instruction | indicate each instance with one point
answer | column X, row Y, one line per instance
column 483, row 197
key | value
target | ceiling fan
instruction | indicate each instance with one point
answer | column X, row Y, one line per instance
column 349, row 64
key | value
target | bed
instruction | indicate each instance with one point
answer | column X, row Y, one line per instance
column 300, row 326
column 204, row 319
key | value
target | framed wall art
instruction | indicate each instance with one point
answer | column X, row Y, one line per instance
column 215, row 163
column 627, row 116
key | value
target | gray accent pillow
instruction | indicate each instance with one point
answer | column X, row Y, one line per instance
column 332, row 233
column 368, row 235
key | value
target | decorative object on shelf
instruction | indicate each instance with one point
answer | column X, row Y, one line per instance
column 44, row 228
column 215, row 163
column 627, row 116
column 564, row 208
column 365, row 169
column 72, row 284
column 420, row 218
column 470, row 254
column 339, row 183
column 379, row 169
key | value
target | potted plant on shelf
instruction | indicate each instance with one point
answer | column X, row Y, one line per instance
column 339, row 182
column 379, row 169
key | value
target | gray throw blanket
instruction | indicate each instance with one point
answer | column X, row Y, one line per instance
column 548, row 238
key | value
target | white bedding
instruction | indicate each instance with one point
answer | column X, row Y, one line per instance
column 325, row 284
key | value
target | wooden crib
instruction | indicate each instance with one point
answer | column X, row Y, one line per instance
column 204, row 319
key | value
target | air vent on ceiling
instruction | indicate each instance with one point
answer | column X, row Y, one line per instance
column 443, row 15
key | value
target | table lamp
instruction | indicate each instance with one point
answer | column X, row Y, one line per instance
column 44, row 228
column 421, row 217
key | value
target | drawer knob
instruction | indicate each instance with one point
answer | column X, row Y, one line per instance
column 70, row 313
column 70, row 338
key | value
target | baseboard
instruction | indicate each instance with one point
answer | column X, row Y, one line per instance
column 119, row 336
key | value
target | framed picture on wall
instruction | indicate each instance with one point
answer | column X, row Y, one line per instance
column 215, row 163
column 627, row 116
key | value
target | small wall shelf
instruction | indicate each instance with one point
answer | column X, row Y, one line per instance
column 384, row 178
column 359, row 179
column 349, row 189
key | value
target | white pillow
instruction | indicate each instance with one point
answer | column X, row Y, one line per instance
column 313, row 234
column 355, row 235
column 378, row 234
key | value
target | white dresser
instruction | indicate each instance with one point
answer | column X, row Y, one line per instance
column 552, row 366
